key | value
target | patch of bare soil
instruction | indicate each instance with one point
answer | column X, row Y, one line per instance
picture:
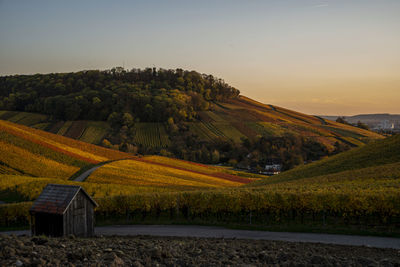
column 167, row 251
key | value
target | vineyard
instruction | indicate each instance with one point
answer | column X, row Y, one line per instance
column 87, row 131
column 151, row 135
column 360, row 187
column 267, row 129
column 63, row 127
column 229, row 131
column 211, row 127
column 201, row 131
column 94, row 132
column 36, row 153
column 138, row 172
column 232, row 120
column 351, row 204
column 187, row 165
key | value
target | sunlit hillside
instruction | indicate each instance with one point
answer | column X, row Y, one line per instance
column 164, row 172
column 31, row 158
column 252, row 118
column 33, row 152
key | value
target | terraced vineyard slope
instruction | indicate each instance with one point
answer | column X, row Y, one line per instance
column 244, row 117
column 33, row 152
column 231, row 120
column 87, row 131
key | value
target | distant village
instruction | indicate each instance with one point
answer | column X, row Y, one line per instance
column 386, row 125
column 381, row 123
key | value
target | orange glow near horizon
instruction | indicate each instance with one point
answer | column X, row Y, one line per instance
column 325, row 57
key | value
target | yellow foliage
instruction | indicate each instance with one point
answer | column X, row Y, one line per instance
column 133, row 172
column 33, row 164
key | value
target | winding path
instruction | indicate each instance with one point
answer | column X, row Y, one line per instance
column 82, row 177
column 220, row 232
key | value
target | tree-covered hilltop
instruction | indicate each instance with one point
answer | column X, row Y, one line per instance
column 147, row 95
column 174, row 113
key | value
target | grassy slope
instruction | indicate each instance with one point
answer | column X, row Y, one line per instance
column 238, row 118
column 372, row 157
column 37, row 153
column 28, row 152
column 137, row 172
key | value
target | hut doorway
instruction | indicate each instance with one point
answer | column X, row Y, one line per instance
column 49, row 224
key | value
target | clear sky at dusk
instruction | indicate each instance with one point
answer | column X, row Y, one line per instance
column 320, row 57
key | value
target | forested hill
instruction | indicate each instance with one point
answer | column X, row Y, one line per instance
column 174, row 113
column 147, row 95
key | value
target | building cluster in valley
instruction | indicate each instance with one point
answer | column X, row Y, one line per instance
column 387, row 125
column 271, row 168
column 382, row 123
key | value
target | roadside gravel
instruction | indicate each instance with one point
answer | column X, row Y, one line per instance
column 183, row 251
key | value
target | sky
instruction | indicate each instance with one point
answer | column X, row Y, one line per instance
column 325, row 57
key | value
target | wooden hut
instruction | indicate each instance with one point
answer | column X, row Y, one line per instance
column 63, row 210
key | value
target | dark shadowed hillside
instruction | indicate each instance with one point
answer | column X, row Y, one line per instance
column 380, row 159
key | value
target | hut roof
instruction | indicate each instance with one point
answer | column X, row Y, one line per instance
column 56, row 198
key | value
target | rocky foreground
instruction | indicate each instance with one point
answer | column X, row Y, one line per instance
column 164, row 251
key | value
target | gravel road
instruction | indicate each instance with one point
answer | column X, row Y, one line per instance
column 219, row 232
column 83, row 176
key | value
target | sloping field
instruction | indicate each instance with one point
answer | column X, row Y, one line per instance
column 137, row 172
column 233, row 120
column 221, row 172
column 252, row 118
column 76, row 130
column 166, row 172
column 94, row 132
column 32, row 152
column 37, row 153
column 200, row 130
column 87, row 131
column 229, row 131
column 377, row 153
column 29, row 119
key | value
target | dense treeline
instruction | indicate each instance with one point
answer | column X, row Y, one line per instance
column 288, row 150
column 142, row 95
